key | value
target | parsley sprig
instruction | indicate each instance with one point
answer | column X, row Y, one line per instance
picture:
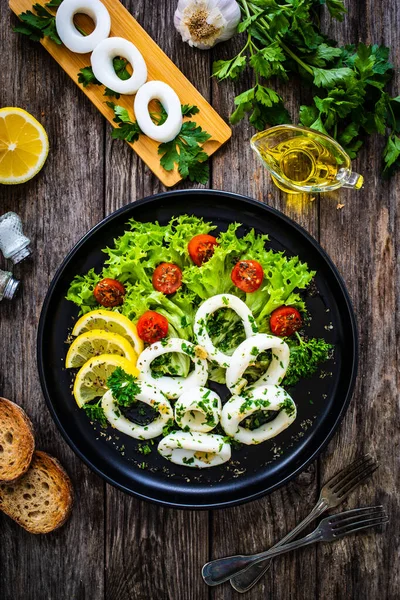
column 124, row 387
column 39, row 25
column 305, row 358
column 350, row 101
column 184, row 150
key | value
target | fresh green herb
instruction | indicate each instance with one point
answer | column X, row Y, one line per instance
column 39, row 25
column 185, row 150
column 86, row 76
column 288, row 406
column 96, row 413
column 305, row 357
column 188, row 461
column 127, row 130
column 144, row 449
column 350, row 101
column 124, row 387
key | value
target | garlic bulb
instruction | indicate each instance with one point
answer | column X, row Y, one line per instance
column 204, row 23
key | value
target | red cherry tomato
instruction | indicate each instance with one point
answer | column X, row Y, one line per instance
column 109, row 292
column 247, row 275
column 285, row 320
column 152, row 327
column 201, row 248
column 167, row 278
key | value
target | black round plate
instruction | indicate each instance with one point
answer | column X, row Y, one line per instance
column 254, row 470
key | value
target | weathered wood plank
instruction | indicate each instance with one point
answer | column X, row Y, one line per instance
column 57, row 207
column 152, row 552
column 363, row 241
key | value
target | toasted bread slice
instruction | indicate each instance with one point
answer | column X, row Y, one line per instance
column 41, row 500
column 16, row 441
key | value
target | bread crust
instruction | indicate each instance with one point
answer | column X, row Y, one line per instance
column 23, row 439
column 62, row 495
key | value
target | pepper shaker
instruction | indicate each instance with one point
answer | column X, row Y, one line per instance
column 8, row 285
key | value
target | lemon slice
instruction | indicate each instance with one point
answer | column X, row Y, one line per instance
column 110, row 321
column 91, row 380
column 96, row 342
column 24, row 146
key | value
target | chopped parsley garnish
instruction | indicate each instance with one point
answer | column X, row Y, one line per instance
column 96, row 413
column 124, row 387
column 305, row 357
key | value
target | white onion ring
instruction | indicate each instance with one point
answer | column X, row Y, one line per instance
column 199, row 409
column 199, row 450
column 245, row 354
column 172, row 387
column 149, row 395
column 169, row 99
column 103, row 69
column 266, row 398
column 210, row 306
column 68, row 33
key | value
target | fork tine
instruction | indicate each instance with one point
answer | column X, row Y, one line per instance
column 350, row 516
column 354, row 475
column 351, row 485
column 347, row 470
column 361, row 525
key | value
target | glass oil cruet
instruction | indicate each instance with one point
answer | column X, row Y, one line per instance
column 304, row 160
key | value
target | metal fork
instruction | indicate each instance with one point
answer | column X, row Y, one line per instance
column 330, row 529
column 331, row 495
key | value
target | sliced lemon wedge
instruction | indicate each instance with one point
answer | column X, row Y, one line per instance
column 24, row 146
column 112, row 322
column 96, row 342
column 91, row 380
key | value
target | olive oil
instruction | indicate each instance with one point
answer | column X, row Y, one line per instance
column 303, row 160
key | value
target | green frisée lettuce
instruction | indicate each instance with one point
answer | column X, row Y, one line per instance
column 135, row 254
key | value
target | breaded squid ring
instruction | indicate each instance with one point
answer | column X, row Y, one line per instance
column 103, row 69
column 199, row 450
column 247, row 352
column 68, row 33
column 148, row 395
column 158, row 90
column 172, row 387
column 266, row 398
column 199, row 409
column 210, row 306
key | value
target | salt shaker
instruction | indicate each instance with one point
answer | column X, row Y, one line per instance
column 13, row 243
column 8, row 285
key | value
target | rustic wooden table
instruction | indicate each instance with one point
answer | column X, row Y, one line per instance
column 117, row 547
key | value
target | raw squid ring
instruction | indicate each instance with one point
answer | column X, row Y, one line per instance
column 68, row 33
column 149, row 395
column 266, row 398
column 172, row 387
column 171, row 103
column 103, row 69
column 199, row 450
column 246, row 353
column 199, row 409
column 210, row 306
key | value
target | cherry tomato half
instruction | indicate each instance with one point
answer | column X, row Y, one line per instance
column 109, row 292
column 247, row 275
column 167, row 278
column 201, row 248
column 152, row 327
column 285, row 320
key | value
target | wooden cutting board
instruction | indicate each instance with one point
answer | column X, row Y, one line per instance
column 159, row 67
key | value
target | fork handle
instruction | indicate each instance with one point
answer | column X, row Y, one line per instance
column 222, row 569
column 245, row 580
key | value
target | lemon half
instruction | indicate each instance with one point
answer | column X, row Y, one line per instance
column 24, row 146
column 91, row 380
column 97, row 342
column 112, row 322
